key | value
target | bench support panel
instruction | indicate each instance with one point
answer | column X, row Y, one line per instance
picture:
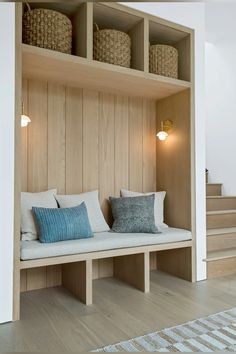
column 77, row 278
column 134, row 270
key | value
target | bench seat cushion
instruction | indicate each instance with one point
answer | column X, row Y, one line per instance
column 102, row 241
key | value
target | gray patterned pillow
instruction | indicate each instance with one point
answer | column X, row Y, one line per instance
column 133, row 214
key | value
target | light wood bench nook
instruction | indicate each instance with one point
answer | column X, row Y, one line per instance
column 93, row 127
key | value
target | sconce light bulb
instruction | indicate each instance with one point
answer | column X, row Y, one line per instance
column 25, row 120
column 162, row 135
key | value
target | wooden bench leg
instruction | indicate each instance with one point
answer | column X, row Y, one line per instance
column 77, row 278
column 134, row 269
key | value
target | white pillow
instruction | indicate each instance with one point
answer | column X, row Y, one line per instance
column 158, row 204
column 29, row 200
column 95, row 215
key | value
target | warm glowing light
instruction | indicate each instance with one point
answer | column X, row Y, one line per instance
column 162, row 135
column 25, row 120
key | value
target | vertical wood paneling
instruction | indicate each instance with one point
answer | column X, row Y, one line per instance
column 145, row 140
column 37, row 137
column 90, row 147
column 90, row 140
column 56, row 137
column 74, row 141
column 81, row 140
column 106, row 151
column 149, row 145
column 24, row 139
column 135, row 144
column 121, row 143
column 106, row 166
column 37, row 157
column 149, row 155
column 174, row 160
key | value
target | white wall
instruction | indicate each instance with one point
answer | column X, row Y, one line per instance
column 220, row 94
column 191, row 15
column 7, row 100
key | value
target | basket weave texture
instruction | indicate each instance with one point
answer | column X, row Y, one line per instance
column 112, row 46
column 47, row 29
column 163, row 60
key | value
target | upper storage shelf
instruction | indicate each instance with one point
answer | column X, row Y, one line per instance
column 71, row 70
column 79, row 69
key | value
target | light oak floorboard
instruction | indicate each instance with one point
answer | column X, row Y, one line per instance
column 54, row 320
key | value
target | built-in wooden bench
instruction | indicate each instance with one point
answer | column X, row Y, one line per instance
column 93, row 126
column 130, row 252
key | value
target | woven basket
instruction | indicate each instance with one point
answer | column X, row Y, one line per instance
column 47, row 29
column 112, row 46
column 163, row 60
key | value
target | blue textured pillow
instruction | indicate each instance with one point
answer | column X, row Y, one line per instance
column 62, row 224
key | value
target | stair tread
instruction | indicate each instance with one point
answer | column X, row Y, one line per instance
column 222, row 254
column 225, row 230
column 221, row 196
column 219, row 212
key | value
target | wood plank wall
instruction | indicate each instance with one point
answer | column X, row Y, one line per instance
column 81, row 140
column 174, row 176
column 174, row 159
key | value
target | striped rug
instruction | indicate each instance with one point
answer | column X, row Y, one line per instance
column 210, row 334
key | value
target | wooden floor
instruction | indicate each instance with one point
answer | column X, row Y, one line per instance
column 53, row 320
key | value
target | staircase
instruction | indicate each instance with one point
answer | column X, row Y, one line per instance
column 221, row 232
